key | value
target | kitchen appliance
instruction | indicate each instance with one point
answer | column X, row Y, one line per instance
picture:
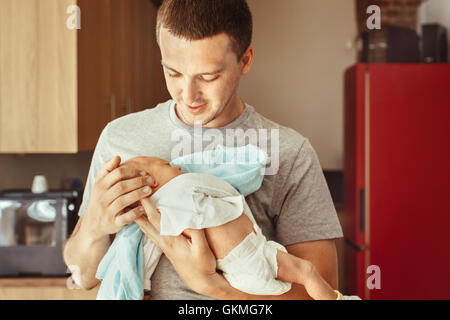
column 403, row 45
column 33, row 230
column 392, row 44
column 397, row 181
column 435, row 46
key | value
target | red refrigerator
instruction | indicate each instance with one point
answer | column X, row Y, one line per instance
column 397, row 181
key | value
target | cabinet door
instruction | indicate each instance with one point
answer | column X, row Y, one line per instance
column 137, row 80
column 120, row 56
column 148, row 85
column 96, row 105
column 38, row 83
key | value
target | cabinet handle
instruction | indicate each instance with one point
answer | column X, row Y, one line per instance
column 129, row 106
column 112, row 106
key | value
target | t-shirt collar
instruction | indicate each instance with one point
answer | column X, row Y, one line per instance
column 234, row 124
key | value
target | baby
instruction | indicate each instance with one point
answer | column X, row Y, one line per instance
column 248, row 261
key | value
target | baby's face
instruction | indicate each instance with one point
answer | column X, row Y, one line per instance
column 160, row 170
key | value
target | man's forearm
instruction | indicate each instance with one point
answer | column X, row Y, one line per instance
column 83, row 253
column 321, row 253
column 224, row 291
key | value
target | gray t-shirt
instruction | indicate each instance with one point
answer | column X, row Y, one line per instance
column 293, row 204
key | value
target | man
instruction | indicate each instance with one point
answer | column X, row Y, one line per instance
column 206, row 48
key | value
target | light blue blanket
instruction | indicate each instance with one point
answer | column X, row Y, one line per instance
column 122, row 268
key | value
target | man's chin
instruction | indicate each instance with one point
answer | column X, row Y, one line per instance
column 191, row 121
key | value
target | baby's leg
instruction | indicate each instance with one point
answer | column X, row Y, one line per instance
column 296, row 270
column 222, row 239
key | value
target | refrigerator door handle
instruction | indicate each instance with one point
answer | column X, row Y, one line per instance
column 362, row 223
column 354, row 246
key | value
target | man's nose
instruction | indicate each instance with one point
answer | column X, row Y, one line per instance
column 190, row 92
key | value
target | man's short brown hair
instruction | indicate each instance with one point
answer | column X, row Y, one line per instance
column 200, row 19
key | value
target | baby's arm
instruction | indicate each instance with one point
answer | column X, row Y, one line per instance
column 222, row 239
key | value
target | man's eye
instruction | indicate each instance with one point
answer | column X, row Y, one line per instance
column 174, row 75
column 209, row 78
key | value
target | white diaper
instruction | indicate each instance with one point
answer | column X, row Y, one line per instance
column 252, row 267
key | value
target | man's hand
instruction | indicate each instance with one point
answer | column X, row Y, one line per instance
column 189, row 253
column 114, row 191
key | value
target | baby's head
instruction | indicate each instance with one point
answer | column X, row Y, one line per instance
column 160, row 170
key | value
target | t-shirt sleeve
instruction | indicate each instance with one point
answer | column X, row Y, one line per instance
column 307, row 211
column 100, row 156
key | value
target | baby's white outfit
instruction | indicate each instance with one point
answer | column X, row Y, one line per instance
column 199, row 201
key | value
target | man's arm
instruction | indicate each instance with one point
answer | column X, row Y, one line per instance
column 222, row 239
column 82, row 254
column 115, row 189
column 321, row 253
column 195, row 263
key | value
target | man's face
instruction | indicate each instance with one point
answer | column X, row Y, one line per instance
column 202, row 73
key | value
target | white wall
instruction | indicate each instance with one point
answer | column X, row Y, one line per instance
column 297, row 76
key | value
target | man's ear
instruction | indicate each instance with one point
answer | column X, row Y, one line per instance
column 247, row 60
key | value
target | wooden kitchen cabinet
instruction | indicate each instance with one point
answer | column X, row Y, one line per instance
column 133, row 57
column 60, row 87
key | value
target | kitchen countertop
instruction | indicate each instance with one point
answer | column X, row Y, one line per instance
column 33, row 282
column 42, row 289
